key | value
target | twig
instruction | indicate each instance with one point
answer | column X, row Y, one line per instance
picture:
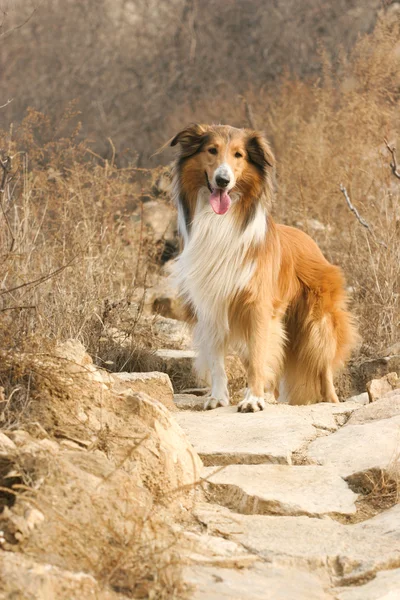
column 6, row 33
column 18, row 308
column 353, row 208
column 359, row 218
column 41, row 279
column 7, row 103
column 393, row 165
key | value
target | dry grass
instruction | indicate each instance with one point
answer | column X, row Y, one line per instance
column 329, row 131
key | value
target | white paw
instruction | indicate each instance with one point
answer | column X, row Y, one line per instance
column 251, row 403
column 212, row 402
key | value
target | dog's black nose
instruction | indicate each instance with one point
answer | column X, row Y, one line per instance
column 221, row 182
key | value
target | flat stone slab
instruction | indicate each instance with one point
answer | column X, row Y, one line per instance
column 358, row 448
column 281, row 490
column 385, row 586
column 224, row 436
column 385, row 408
column 346, row 553
column 258, row 583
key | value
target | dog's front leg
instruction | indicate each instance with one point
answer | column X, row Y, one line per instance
column 211, row 354
column 219, row 381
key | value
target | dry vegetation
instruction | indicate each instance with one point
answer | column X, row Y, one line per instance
column 74, row 254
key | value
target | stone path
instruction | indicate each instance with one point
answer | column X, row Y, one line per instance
column 279, row 518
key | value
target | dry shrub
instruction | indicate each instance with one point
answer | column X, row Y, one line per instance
column 131, row 64
column 75, row 259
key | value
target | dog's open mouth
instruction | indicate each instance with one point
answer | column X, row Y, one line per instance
column 219, row 199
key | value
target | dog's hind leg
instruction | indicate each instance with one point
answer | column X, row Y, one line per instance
column 328, row 392
column 265, row 357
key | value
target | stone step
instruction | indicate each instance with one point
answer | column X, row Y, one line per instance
column 280, row 490
column 358, row 448
column 223, row 436
column 260, row 582
column 347, row 554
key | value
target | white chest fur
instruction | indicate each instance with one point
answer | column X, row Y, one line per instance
column 212, row 267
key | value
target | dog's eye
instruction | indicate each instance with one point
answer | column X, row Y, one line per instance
column 213, row 151
column 238, row 155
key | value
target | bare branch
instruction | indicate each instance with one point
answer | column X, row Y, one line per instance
column 357, row 214
column 9, row 31
column 353, row 208
column 393, row 165
column 7, row 103
column 39, row 280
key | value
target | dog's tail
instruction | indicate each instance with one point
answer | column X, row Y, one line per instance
column 321, row 336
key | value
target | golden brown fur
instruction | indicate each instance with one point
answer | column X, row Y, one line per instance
column 288, row 316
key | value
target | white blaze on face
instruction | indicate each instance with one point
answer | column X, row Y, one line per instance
column 224, row 171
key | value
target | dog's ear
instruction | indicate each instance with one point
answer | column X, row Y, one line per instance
column 259, row 151
column 191, row 139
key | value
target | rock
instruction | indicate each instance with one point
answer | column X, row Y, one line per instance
column 170, row 333
column 154, row 384
column 384, row 408
column 189, row 402
column 77, row 362
column 6, row 444
column 22, row 577
column 385, row 586
column 380, row 387
column 74, row 351
column 160, row 217
column 180, row 460
column 207, row 549
column 224, row 436
column 280, row 490
column 386, row 523
column 345, row 553
column 179, row 366
column 358, row 448
column 378, row 367
column 258, row 583
column 163, row 299
column 360, row 399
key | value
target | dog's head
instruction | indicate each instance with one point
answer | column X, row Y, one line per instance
column 231, row 162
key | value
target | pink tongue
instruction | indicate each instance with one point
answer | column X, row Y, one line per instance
column 220, row 201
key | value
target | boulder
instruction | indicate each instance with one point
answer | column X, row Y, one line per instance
column 23, row 577
column 378, row 367
column 384, row 408
column 154, row 384
column 380, row 387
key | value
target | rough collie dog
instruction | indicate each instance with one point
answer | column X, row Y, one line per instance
column 246, row 282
